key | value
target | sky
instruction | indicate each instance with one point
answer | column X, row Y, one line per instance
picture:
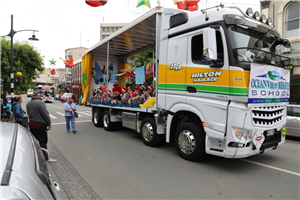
column 64, row 24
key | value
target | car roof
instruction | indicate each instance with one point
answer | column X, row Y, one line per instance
column 292, row 105
column 6, row 135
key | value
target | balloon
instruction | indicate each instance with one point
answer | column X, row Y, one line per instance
column 96, row 3
column 19, row 74
column 190, row 5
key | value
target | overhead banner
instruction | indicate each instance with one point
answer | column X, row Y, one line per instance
column 268, row 86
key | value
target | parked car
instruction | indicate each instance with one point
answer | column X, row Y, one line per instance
column 293, row 121
column 25, row 174
column 29, row 92
column 67, row 95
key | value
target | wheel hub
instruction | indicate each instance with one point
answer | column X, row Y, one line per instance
column 186, row 142
column 105, row 120
column 96, row 117
column 147, row 132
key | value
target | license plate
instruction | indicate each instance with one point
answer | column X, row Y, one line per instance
column 270, row 132
column 283, row 130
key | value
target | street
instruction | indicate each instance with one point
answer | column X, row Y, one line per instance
column 94, row 164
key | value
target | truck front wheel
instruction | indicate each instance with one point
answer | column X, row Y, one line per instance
column 97, row 118
column 190, row 141
column 149, row 134
column 107, row 124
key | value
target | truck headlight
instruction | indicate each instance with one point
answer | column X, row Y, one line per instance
column 242, row 134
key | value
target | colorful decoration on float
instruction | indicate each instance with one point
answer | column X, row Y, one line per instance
column 52, row 62
column 96, row 3
column 149, row 70
column 68, row 63
column 190, row 5
column 143, row 2
column 52, row 71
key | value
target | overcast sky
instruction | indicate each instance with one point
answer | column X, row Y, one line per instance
column 60, row 22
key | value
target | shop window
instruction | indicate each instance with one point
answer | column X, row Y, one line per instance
column 197, row 49
column 292, row 20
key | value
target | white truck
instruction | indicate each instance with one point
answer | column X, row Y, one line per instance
column 221, row 87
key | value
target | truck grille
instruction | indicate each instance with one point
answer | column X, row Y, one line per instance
column 267, row 116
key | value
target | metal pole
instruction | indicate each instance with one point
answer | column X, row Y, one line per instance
column 273, row 15
column 12, row 60
column 153, row 67
column 107, row 70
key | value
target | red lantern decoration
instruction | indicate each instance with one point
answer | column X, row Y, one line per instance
column 53, row 72
column 96, row 3
column 190, row 5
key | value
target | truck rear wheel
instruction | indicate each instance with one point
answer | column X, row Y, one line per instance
column 97, row 118
column 149, row 134
column 190, row 141
column 107, row 124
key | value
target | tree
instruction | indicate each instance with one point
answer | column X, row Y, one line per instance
column 141, row 59
column 27, row 60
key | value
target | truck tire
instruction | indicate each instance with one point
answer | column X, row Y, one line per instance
column 107, row 124
column 97, row 118
column 190, row 141
column 149, row 134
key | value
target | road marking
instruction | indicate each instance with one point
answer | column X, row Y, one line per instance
column 56, row 106
column 88, row 111
column 84, row 113
column 271, row 167
column 75, row 122
column 52, row 116
column 60, row 113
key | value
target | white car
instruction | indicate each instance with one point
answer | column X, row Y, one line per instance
column 67, row 95
column 24, row 172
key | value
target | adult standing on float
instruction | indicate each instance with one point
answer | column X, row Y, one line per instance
column 116, row 88
column 39, row 119
column 70, row 109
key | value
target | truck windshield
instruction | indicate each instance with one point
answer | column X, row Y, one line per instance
column 252, row 45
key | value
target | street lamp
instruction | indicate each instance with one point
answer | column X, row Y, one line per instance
column 11, row 35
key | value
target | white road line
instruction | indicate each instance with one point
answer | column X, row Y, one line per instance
column 53, row 124
column 88, row 111
column 52, row 116
column 62, row 107
column 271, row 167
column 60, row 113
column 84, row 113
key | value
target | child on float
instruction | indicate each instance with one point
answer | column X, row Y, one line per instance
column 147, row 96
column 144, row 89
column 116, row 97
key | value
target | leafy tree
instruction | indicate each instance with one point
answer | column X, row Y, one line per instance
column 140, row 60
column 27, row 60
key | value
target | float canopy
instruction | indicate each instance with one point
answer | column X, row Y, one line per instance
column 138, row 36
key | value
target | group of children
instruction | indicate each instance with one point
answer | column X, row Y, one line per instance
column 125, row 95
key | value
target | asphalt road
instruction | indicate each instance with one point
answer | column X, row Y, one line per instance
column 117, row 165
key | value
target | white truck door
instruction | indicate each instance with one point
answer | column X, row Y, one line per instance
column 176, row 71
column 206, row 78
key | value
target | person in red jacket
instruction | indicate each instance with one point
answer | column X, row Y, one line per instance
column 116, row 88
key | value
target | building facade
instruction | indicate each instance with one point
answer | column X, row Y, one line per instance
column 106, row 29
column 75, row 53
column 287, row 23
column 76, row 77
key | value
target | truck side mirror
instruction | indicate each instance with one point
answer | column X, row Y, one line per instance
column 210, row 44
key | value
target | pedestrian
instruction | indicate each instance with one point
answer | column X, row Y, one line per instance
column 62, row 98
column 39, row 119
column 3, row 113
column 70, row 108
column 17, row 110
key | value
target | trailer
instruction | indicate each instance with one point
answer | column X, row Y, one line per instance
column 221, row 86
